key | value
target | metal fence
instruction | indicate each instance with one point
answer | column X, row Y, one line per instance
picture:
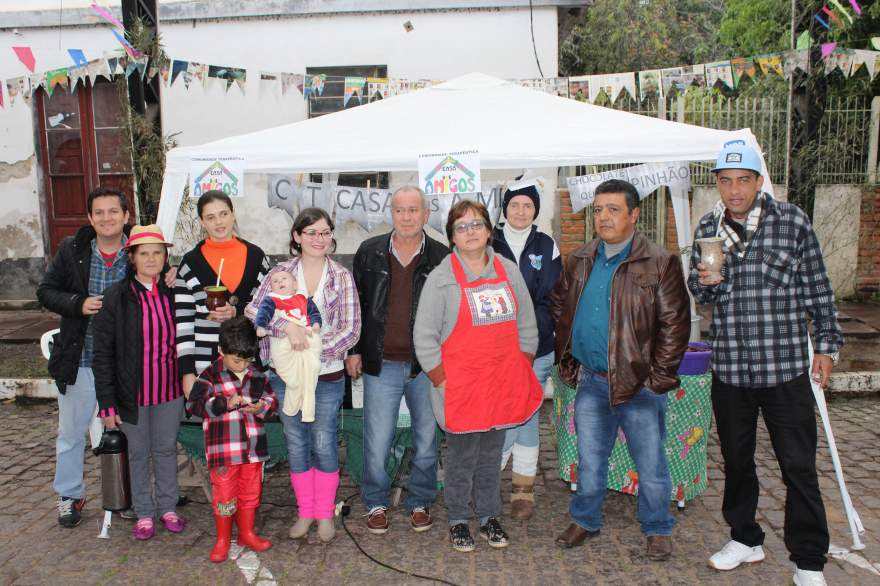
column 844, row 134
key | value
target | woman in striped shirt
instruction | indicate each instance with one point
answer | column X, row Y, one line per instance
column 136, row 377
column 244, row 266
column 312, row 447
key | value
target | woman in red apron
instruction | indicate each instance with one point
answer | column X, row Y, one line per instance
column 475, row 335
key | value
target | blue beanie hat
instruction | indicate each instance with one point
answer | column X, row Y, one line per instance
column 530, row 191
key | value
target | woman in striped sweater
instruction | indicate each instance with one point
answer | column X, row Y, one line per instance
column 136, row 378
column 244, row 266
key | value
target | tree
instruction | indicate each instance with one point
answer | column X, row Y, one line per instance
column 634, row 35
column 753, row 27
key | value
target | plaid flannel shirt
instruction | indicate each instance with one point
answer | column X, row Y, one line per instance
column 759, row 326
column 340, row 316
column 232, row 437
column 100, row 278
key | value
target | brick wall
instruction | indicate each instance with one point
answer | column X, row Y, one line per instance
column 868, row 269
column 572, row 227
column 671, row 234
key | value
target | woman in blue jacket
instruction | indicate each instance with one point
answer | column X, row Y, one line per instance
column 540, row 263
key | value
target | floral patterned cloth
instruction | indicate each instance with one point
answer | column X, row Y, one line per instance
column 688, row 420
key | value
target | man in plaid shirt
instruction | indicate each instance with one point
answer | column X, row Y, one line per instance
column 773, row 277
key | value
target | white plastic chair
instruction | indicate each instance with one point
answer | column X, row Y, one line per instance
column 96, row 427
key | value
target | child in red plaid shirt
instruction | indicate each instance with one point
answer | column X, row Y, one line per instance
column 233, row 398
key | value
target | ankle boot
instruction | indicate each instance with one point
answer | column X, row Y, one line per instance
column 522, row 497
column 326, row 484
column 303, row 484
column 224, row 534
column 244, row 518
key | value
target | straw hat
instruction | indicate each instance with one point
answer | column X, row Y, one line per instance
column 151, row 234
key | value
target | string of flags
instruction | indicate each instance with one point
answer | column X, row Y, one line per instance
column 588, row 88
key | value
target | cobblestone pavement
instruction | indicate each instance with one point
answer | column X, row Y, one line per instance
column 34, row 550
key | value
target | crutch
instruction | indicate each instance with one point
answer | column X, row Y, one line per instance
column 855, row 523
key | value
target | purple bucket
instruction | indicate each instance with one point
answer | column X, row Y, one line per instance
column 696, row 359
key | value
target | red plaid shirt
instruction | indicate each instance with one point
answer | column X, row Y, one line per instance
column 232, row 437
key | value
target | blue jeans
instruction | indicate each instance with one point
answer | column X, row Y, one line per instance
column 75, row 410
column 526, row 434
column 381, row 408
column 643, row 419
column 315, row 444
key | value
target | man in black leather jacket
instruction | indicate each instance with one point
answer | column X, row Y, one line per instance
column 389, row 271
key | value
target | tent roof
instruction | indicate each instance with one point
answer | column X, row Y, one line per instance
column 512, row 127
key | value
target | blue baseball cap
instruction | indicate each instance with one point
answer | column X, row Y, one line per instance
column 735, row 154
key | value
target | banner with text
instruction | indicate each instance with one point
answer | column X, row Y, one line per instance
column 450, row 173
column 646, row 178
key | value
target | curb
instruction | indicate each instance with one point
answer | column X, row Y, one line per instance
column 842, row 384
column 31, row 388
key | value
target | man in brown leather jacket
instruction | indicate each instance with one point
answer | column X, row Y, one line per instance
column 622, row 325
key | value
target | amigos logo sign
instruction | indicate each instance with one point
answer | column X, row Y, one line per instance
column 221, row 174
column 450, row 173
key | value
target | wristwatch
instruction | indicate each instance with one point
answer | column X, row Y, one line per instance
column 835, row 357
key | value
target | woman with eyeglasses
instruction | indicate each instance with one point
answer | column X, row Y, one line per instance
column 475, row 335
column 243, row 267
column 312, row 446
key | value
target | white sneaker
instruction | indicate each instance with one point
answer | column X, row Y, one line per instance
column 809, row 578
column 735, row 553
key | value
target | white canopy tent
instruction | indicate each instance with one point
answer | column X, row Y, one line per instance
column 512, row 127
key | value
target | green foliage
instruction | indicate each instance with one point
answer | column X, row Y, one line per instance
column 753, row 27
column 634, row 35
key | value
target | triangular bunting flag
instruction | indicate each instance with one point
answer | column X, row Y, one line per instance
column 377, row 88
column 37, row 80
column 178, row 67
column 107, row 15
column 827, row 49
column 353, row 85
column 195, row 73
column 55, row 78
column 720, row 71
column 131, row 67
column 78, row 74
column 841, row 59
column 79, row 58
column 269, row 83
column 314, row 85
column 803, row 41
column 771, row 63
column 795, row 59
column 129, row 49
column 743, row 67
column 17, row 86
column 98, row 68
column 866, row 58
column 26, row 56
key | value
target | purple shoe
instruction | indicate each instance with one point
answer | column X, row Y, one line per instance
column 143, row 529
column 173, row 522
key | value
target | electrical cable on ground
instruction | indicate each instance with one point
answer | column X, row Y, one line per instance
column 346, row 510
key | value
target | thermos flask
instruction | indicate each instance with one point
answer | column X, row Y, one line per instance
column 115, row 483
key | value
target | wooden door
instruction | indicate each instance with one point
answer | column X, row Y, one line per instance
column 82, row 147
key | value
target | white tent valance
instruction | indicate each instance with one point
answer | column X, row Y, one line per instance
column 512, row 127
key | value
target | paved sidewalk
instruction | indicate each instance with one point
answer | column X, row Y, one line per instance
column 34, row 550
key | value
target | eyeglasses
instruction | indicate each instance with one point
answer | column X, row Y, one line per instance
column 473, row 225
column 315, row 235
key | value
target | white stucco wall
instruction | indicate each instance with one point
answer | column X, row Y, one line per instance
column 442, row 45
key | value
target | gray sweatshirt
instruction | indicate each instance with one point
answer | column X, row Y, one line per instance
column 439, row 307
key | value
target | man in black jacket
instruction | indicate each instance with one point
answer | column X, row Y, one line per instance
column 73, row 287
column 389, row 271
